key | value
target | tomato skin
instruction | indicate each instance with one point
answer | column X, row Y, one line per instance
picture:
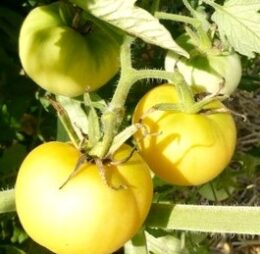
column 184, row 149
column 85, row 216
column 205, row 72
column 62, row 60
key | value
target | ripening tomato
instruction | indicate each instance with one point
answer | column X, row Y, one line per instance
column 206, row 72
column 86, row 215
column 65, row 60
column 184, row 148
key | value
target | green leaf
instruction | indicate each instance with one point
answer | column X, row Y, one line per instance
column 10, row 22
column 62, row 135
column 239, row 22
column 137, row 245
column 133, row 20
column 94, row 131
column 166, row 244
column 12, row 158
column 8, row 249
column 19, row 235
column 76, row 114
column 249, row 163
column 215, row 191
column 122, row 137
column 220, row 188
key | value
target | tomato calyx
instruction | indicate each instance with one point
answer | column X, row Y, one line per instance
column 74, row 18
column 100, row 163
column 80, row 24
column 188, row 101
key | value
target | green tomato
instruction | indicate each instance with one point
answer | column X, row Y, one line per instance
column 85, row 216
column 206, row 72
column 184, row 148
column 64, row 60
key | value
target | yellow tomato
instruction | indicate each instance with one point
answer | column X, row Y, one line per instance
column 85, row 216
column 182, row 148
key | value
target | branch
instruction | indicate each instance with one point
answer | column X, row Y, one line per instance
column 7, row 201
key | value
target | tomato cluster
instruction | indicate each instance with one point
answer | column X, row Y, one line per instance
column 101, row 208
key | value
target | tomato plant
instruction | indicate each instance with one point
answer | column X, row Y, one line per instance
column 207, row 71
column 64, row 56
column 86, row 215
column 71, row 48
column 184, row 148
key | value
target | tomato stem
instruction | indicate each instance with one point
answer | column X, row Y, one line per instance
column 184, row 92
column 179, row 18
column 155, row 6
column 113, row 116
column 189, row 7
column 7, row 201
column 221, row 219
column 212, row 4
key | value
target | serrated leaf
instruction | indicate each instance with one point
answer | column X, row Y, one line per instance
column 133, row 20
column 239, row 22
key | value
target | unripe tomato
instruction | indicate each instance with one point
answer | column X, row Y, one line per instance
column 205, row 72
column 184, row 148
column 64, row 60
column 85, row 216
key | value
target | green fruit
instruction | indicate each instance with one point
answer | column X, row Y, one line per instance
column 63, row 59
column 206, row 72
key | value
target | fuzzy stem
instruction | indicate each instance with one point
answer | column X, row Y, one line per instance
column 212, row 4
column 155, row 6
column 113, row 116
column 215, row 219
column 178, row 18
column 7, row 201
column 184, row 92
column 188, row 6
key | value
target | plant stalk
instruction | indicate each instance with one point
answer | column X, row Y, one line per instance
column 113, row 116
column 178, row 18
column 215, row 219
column 212, row 4
column 7, row 201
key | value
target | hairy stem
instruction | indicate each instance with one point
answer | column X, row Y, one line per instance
column 178, row 18
column 7, row 201
column 212, row 4
column 215, row 219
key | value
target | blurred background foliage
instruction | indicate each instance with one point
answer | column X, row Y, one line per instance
column 26, row 121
